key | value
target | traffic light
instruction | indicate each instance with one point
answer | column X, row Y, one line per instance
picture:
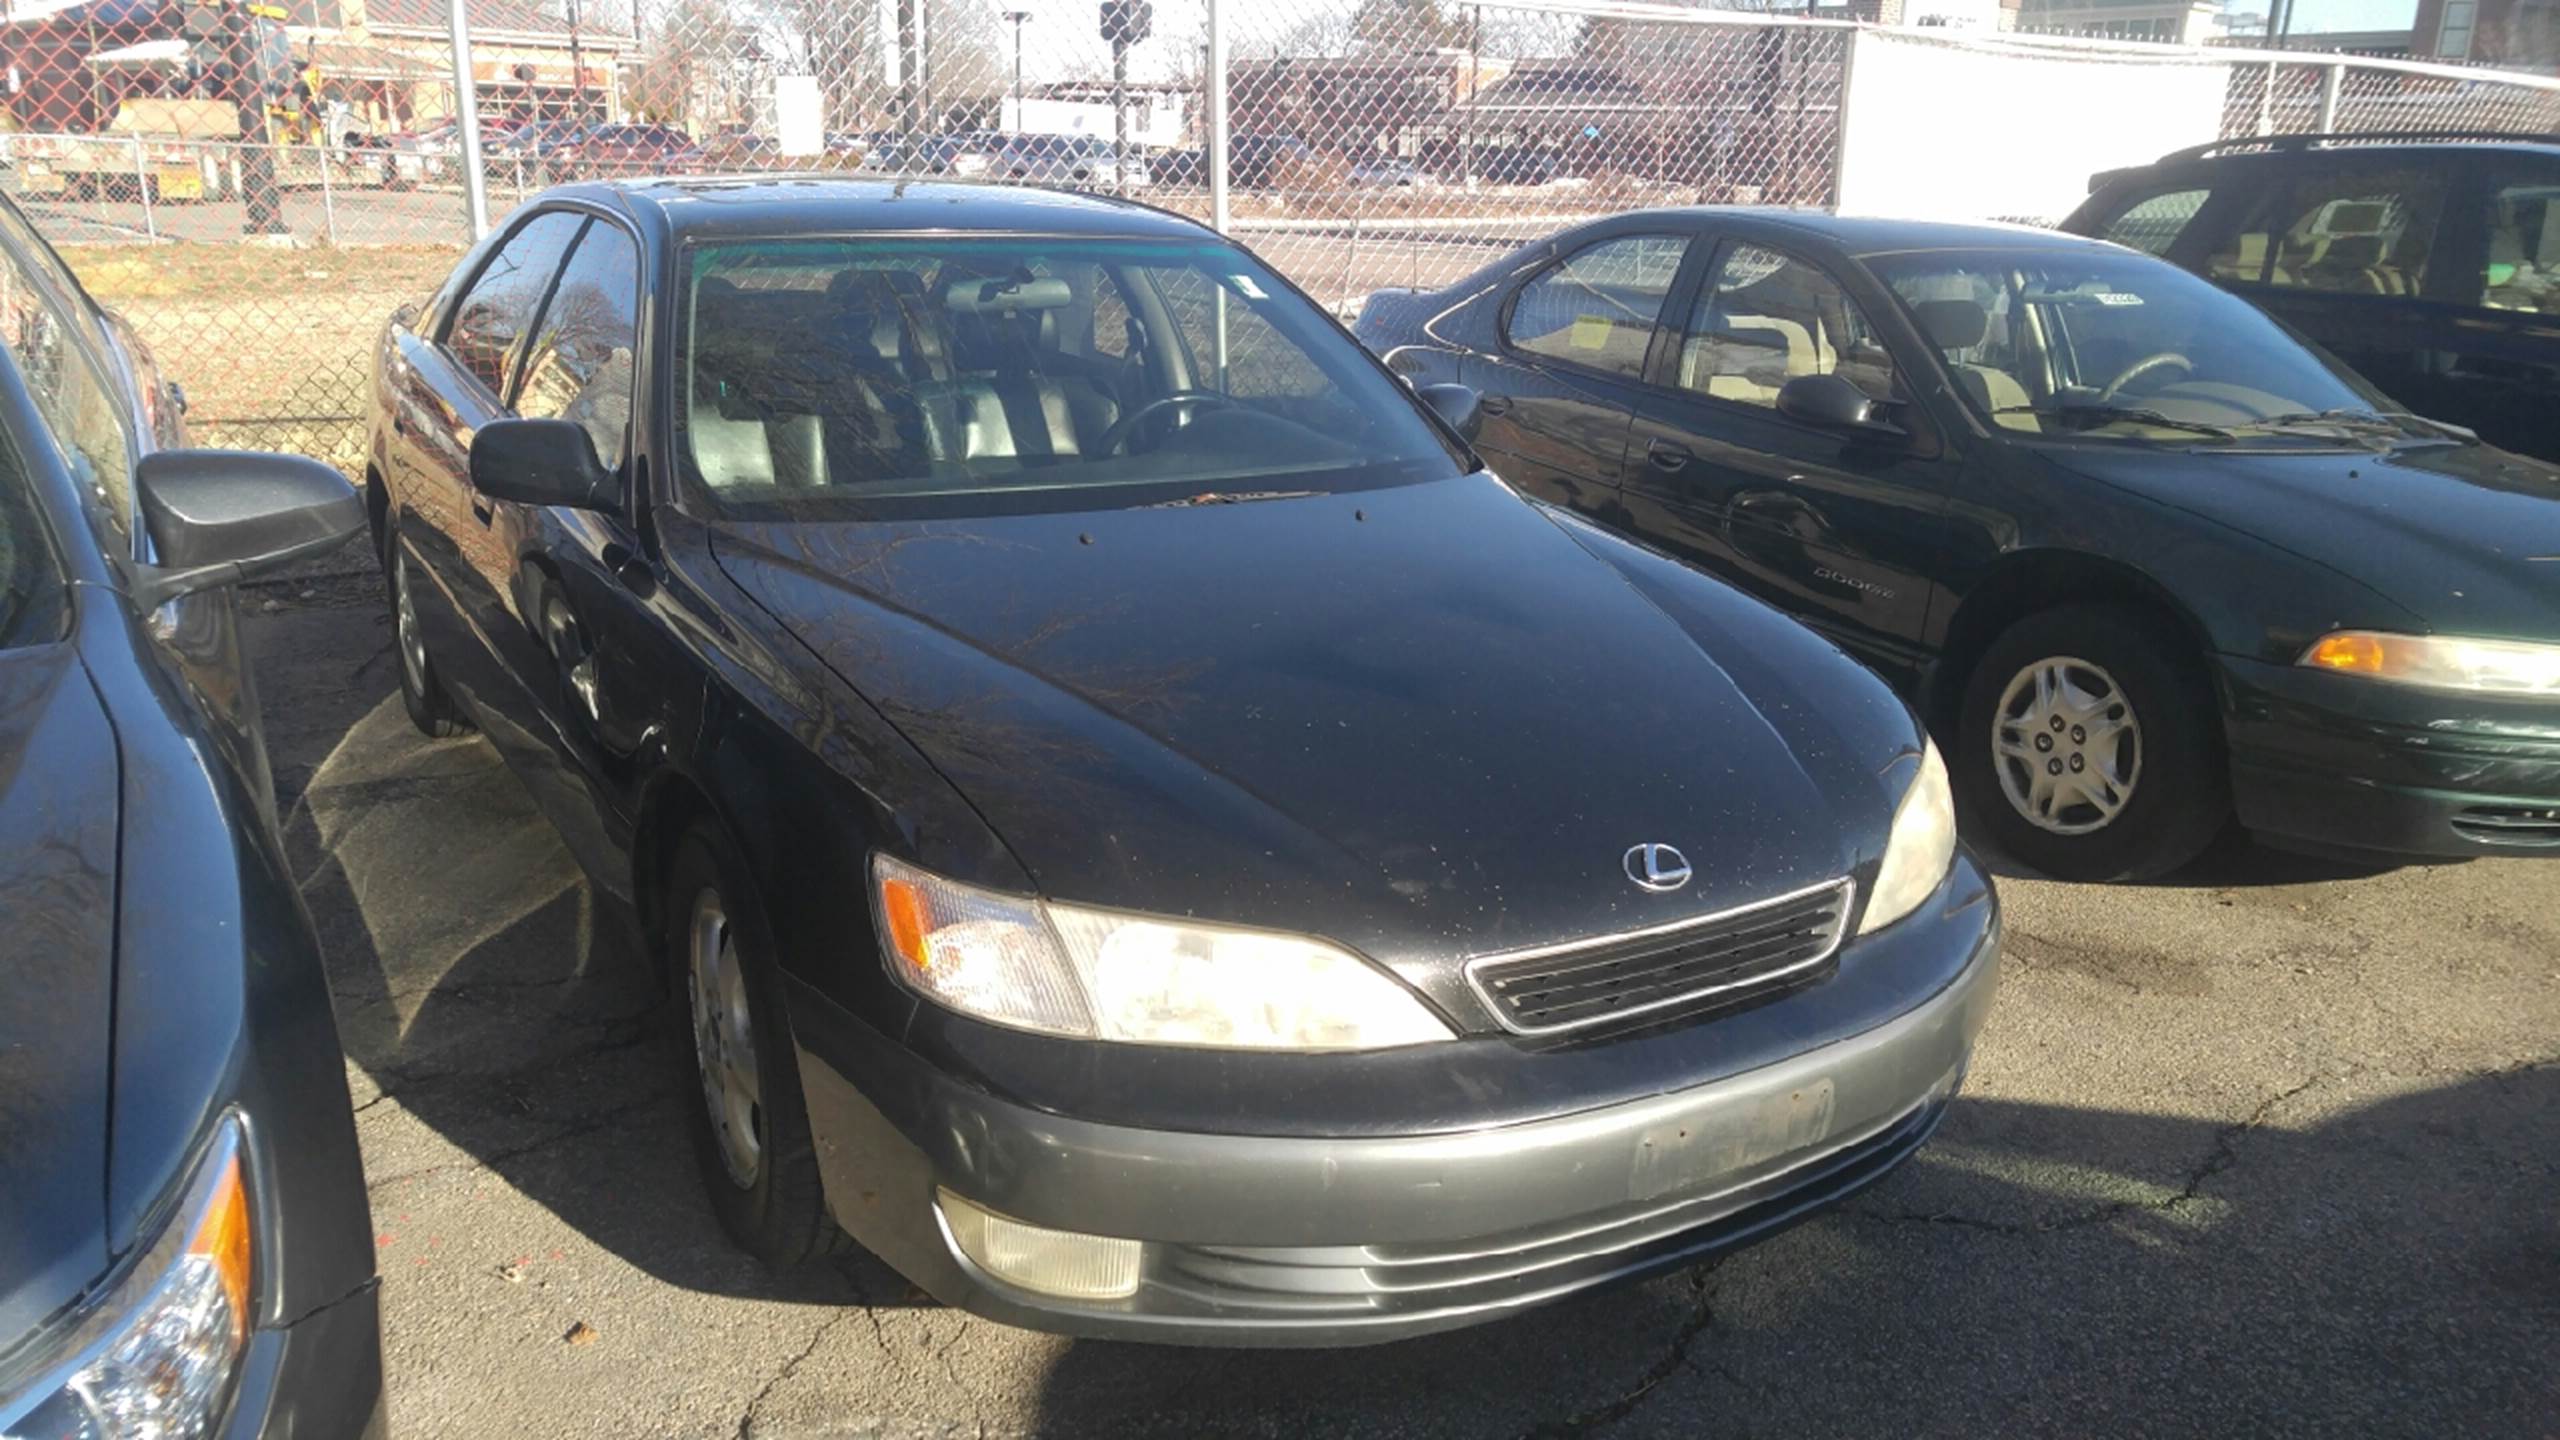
column 1127, row 22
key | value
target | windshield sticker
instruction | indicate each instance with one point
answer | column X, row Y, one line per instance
column 2116, row 297
column 1246, row 287
column 1590, row 332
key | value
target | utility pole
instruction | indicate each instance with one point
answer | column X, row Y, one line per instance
column 1017, row 17
column 466, row 121
column 911, row 74
column 1124, row 23
column 577, row 68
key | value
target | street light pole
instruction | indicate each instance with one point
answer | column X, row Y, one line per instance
column 1017, row 17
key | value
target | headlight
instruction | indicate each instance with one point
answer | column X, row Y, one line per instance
column 2443, row 662
column 1921, row 847
column 157, row 1352
column 1141, row 979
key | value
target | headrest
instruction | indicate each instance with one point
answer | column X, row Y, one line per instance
column 1953, row 324
column 1006, row 297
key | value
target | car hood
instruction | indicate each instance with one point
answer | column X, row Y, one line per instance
column 58, row 817
column 2466, row 537
column 1425, row 720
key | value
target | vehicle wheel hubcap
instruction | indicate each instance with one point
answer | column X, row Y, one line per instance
column 404, row 616
column 2066, row 745
column 724, row 1043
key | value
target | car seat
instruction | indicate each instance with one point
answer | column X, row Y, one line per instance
column 1957, row 327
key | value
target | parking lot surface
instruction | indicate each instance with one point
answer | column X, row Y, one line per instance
column 2268, row 1149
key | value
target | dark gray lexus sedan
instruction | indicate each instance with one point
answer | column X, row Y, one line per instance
column 1153, row 838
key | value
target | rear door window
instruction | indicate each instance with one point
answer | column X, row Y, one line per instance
column 84, row 411
column 494, row 313
column 2153, row 222
column 1598, row 306
column 2522, row 263
column 2358, row 232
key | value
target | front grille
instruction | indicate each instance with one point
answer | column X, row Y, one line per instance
column 1719, row 959
column 2509, row 824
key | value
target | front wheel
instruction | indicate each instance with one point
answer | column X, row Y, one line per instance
column 751, row 1128
column 421, row 693
column 2090, row 748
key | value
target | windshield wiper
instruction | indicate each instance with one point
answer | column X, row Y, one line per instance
column 1227, row 497
column 2112, row 414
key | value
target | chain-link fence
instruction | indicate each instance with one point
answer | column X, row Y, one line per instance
column 257, row 187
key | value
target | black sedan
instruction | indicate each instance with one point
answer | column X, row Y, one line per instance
column 1151, row 838
column 184, row 1242
column 2143, row 558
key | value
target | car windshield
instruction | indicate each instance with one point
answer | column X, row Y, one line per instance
column 2123, row 348
column 834, row 377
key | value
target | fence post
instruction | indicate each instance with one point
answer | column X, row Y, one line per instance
column 2330, row 83
column 466, row 121
column 142, row 186
column 328, row 201
column 2267, row 102
column 1216, row 137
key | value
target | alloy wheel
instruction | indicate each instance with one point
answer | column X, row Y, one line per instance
column 724, row 1045
column 2067, row 746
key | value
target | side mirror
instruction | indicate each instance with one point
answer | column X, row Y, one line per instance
column 1833, row 403
column 1458, row 405
column 542, row 462
column 221, row 516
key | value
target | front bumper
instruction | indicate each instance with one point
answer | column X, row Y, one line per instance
column 1272, row 1240
column 2338, row 762
column 320, row 1377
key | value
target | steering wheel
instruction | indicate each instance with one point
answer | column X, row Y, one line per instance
column 2145, row 366
column 1127, row 425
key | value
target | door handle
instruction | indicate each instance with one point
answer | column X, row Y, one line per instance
column 1666, row 454
column 1493, row 404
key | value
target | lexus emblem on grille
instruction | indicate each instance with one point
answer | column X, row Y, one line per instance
column 1657, row 867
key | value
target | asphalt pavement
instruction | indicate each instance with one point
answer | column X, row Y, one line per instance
column 2270, row 1149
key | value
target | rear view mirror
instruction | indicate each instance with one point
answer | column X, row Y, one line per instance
column 220, row 516
column 1457, row 405
column 1833, row 403
column 542, row 462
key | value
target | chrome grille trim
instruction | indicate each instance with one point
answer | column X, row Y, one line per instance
column 1672, row 933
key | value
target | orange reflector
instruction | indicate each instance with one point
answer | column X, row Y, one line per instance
column 903, row 903
column 223, row 1237
column 2359, row 653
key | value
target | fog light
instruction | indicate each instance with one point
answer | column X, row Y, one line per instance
column 1052, row 1262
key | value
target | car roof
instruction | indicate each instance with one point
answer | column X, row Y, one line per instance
column 1861, row 235
column 2280, row 149
column 771, row 204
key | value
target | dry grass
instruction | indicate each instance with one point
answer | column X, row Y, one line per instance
column 272, row 345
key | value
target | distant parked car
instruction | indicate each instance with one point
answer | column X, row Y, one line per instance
column 185, row 1245
column 1180, row 167
column 2146, row 562
column 607, row 151
column 1516, row 165
column 430, row 155
column 1254, row 161
column 1070, row 160
column 2430, row 264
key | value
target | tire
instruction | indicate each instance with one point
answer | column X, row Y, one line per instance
column 421, row 693
column 759, row 1167
column 2047, row 800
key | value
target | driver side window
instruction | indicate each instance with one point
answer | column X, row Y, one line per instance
column 1765, row 318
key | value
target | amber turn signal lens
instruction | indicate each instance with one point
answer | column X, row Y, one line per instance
column 223, row 1238
column 903, row 905
column 2348, row 651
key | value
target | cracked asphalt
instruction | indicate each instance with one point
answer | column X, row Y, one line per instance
column 2273, row 1149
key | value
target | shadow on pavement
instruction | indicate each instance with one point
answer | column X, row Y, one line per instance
column 482, row 990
